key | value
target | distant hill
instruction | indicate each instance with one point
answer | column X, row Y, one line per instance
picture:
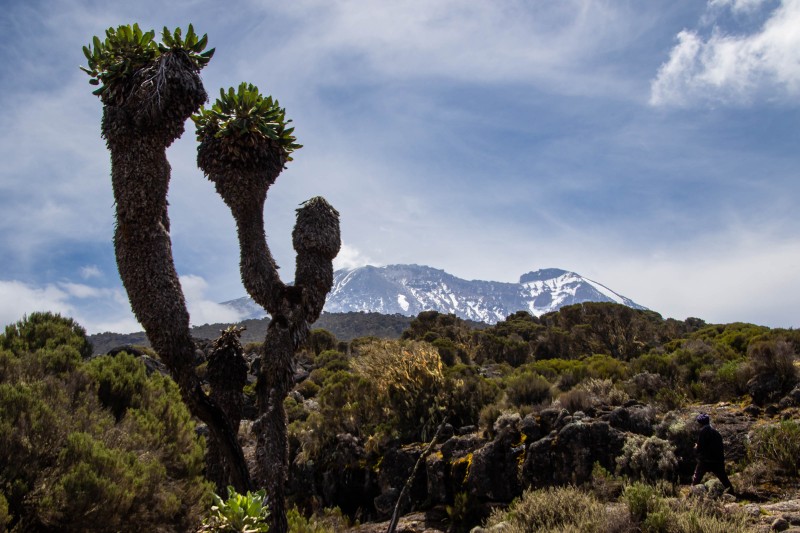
column 345, row 326
column 411, row 289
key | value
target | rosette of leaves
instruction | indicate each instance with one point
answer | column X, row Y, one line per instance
column 243, row 513
column 114, row 62
column 243, row 130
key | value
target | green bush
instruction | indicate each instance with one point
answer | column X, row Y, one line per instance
column 330, row 521
column 467, row 393
column 40, row 331
column 773, row 370
column 5, row 517
column 647, row 458
column 556, row 510
column 643, row 500
column 779, row 444
column 528, row 388
column 575, row 400
column 68, row 462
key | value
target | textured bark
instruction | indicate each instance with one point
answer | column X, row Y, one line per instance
column 272, row 447
column 227, row 376
column 242, row 171
column 137, row 133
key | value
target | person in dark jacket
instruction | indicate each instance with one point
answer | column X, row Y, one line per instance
column 710, row 453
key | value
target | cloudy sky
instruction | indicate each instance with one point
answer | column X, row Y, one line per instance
column 653, row 147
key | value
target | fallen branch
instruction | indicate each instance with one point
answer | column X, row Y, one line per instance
column 410, row 481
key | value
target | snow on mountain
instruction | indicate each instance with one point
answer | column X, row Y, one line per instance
column 410, row 289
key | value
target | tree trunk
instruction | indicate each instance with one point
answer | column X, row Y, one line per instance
column 272, row 448
column 140, row 177
column 227, row 376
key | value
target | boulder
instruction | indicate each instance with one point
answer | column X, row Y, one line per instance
column 568, row 456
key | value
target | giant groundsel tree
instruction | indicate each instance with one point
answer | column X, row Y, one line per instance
column 148, row 90
column 244, row 145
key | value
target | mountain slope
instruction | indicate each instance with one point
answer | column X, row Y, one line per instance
column 410, row 289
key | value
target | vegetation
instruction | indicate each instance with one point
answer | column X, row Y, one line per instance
column 365, row 405
column 91, row 445
column 148, row 90
column 239, row 513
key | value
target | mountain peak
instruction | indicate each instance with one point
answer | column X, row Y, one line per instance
column 543, row 275
column 411, row 289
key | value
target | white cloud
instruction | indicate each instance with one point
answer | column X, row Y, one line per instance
column 350, row 257
column 734, row 69
column 91, row 271
column 18, row 299
column 738, row 6
column 201, row 310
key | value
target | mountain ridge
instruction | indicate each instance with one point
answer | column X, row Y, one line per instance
column 409, row 289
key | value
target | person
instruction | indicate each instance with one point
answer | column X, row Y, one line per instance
column 710, row 452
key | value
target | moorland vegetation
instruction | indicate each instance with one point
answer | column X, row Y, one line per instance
column 594, row 404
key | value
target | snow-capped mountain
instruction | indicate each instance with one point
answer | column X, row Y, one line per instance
column 410, row 289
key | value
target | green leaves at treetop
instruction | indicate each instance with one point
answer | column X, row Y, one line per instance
column 127, row 49
column 237, row 113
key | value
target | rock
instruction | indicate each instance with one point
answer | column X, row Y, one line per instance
column 569, row 455
column 779, row 524
column 531, row 428
column 494, row 472
column 637, row 419
column 753, row 410
column 438, row 478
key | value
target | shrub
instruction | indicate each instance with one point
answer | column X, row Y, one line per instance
column 601, row 366
column 604, row 485
column 40, row 331
column 330, row 521
column 643, row 500
column 779, row 444
column 67, row 462
column 647, row 458
column 528, row 388
column 409, row 376
column 555, row 509
column 603, row 392
column 772, row 366
column 5, row 518
column 467, row 393
column 575, row 400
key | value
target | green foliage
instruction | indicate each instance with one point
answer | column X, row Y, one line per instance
column 771, row 364
column 467, row 394
column 331, row 521
column 463, row 513
column 68, row 463
column 652, row 512
column 575, row 400
column 120, row 379
column 127, row 50
column 45, row 331
column 240, row 116
column 647, row 458
column 240, row 513
column 778, row 444
column 605, row 485
column 5, row 517
column 644, row 500
column 528, row 388
column 555, row 510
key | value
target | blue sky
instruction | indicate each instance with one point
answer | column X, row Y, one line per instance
column 650, row 146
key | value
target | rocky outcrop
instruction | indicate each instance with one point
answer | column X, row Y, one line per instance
column 568, row 455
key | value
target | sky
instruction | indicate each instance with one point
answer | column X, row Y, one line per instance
column 652, row 147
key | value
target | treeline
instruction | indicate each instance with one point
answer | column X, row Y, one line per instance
column 345, row 326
